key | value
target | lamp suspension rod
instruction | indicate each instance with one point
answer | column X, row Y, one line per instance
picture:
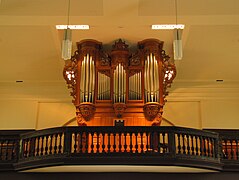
column 176, row 17
column 68, row 13
column 176, row 12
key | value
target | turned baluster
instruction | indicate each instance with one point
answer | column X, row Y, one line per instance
column 51, row 146
column 192, row 142
column 75, row 142
column 103, row 142
column 125, row 142
column 60, row 143
column 46, row 147
column 179, row 143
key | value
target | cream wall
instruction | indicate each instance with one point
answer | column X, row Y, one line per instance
column 183, row 113
column 18, row 114
column 54, row 114
column 218, row 114
column 204, row 106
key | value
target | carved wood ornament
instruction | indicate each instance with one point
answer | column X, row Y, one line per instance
column 119, row 84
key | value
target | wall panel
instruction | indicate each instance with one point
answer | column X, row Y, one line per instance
column 18, row 114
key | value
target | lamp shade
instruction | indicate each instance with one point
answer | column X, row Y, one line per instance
column 177, row 44
column 66, row 44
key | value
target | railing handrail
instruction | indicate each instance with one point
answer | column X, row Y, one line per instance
column 120, row 129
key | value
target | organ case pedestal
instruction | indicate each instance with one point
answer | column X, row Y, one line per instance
column 125, row 85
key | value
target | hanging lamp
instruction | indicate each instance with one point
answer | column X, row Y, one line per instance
column 67, row 41
column 177, row 42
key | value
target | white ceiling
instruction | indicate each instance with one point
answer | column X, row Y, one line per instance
column 30, row 46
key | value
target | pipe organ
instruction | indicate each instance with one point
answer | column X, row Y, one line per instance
column 130, row 86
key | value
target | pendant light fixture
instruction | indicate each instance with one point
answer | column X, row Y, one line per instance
column 177, row 42
column 67, row 42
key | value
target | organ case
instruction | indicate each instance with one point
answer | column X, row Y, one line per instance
column 120, row 84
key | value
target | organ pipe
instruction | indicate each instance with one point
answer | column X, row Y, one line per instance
column 87, row 79
column 135, row 86
column 119, row 84
column 151, row 76
column 103, row 87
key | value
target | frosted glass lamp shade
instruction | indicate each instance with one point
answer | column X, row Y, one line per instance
column 177, row 44
column 66, row 45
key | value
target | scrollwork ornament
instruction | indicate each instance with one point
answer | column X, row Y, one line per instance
column 86, row 110
column 133, row 71
column 105, row 59
column 151, row 110
column 120, row 45
column 158, row 120
column 106, row 72
column 119, row 109
column 135, row 60
column 80, row 121
column 70, row 74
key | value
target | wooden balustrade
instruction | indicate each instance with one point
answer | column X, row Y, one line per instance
column 42, row 143
column 229, row 142
column 196, row 143
column 155, row 143
column 171, row 141
column 8, row 149
column 119, row 142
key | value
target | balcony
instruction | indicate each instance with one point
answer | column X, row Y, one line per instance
column 119, row 149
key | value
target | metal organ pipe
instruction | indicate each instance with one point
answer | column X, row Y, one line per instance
column 156, row 79
column 98, row 95
column 147, row 80
column 135, row 86
column 90, row 79
column 86, row 78
column 114, row 87
column 93, row 81
column 82, row 81
column 151, row 79
column 119, row 84
column 87, row 83
column 119, row 76
column 123, row 84
column 103, row 87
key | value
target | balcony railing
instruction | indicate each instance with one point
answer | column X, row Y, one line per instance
column 229, row 142
column 9, row 148
column 119, row 146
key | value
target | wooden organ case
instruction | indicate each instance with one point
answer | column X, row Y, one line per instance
column 119, row 86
